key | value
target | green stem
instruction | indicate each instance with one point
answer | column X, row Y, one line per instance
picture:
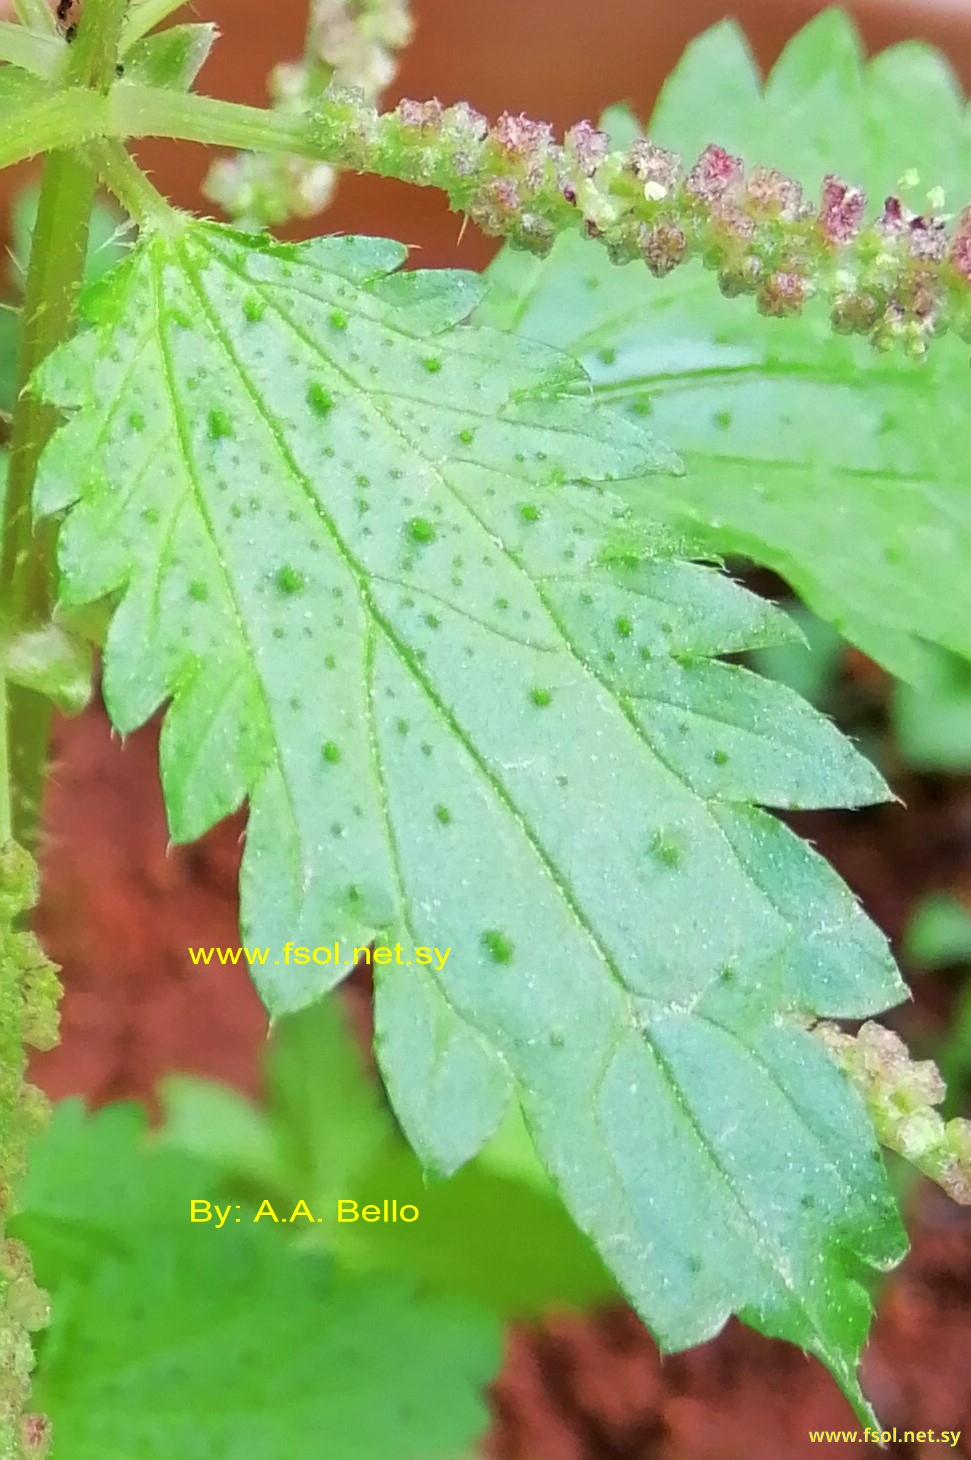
column 94, row 53
column 65, row 119
column 140, row 199
column 54, row 274
column 150, row 111
column 6, row 814
column 56, row 265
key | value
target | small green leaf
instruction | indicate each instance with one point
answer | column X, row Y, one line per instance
column 840, row 470
column 175, row 1338
column 53, row 663
column 170, row 58
column 932, row 722
column 939, row 932
column 247, row 482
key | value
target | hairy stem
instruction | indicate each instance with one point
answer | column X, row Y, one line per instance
column 123, row 177
column 54, row 273
column 63, row 119
column 26, row 567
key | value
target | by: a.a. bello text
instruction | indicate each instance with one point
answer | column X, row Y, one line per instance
column 202, row 1210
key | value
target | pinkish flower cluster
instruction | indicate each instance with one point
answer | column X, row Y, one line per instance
column 900, row 1095
column 899, row 279
column 714, row 174
column 841, row 211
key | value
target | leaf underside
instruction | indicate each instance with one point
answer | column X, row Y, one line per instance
column 842, row 470
column 379, row 564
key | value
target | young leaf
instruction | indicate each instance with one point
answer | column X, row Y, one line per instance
column 175, row 1338
column 804, row 452
column 362, row 551
column 170, row 58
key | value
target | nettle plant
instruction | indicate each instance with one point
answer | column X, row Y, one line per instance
column 416, row 582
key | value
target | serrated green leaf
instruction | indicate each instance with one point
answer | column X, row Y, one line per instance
column 840, row 469
column 215, row 1346
column 359, row 547
column 180, row 1339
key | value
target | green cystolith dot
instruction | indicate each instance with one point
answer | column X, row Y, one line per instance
column 220, row 425
column 290, row 580
column 338, row 319
column 664, row 849
column 254, row 308
column 528, row 512
column 541, row 697
column 467, row 436
column 318, row 399
column 443, row 815
column 497, row 945
column 624, row 627
column 720, row 757
column 331, row 752
column 432, row 364
column 421, row 530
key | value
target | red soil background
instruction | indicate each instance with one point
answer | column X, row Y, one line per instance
column 120, row 905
